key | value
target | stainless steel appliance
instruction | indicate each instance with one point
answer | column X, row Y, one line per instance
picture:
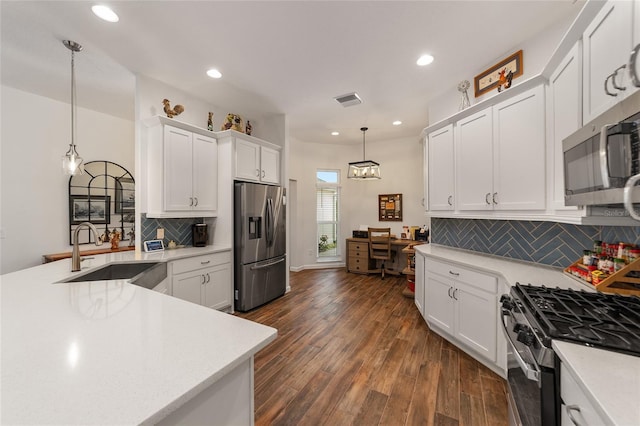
column 199, row 234
column 259, row 244
column 600, row 157
column 532, row 316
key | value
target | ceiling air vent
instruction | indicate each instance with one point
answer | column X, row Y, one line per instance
column 349, row 99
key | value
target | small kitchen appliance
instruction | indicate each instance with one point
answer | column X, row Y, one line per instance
column 532, row 316
column 200, row 234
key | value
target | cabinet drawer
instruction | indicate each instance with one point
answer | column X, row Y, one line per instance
column 197, row 262
column 362, row 254
column 358, row 246
column 476, row 279
column 574, row 399
column 358, row 265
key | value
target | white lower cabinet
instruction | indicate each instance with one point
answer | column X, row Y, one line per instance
column 461, row 304
column 205, row 280
column 576, row 409
column 419, row 283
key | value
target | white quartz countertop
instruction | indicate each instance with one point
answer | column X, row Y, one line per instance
column 610, row 380
column 109, row 352
column 513, row 271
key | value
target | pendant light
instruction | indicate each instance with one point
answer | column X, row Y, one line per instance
column 366, row 169
column 72, row 162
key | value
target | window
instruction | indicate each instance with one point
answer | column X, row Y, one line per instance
column 328, row 214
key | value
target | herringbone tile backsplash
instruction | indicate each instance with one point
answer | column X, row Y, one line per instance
column 178, row 230
column 550, row 243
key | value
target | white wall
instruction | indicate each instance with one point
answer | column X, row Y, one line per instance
column 535, row 55
column 34, row 211
column 401, row 164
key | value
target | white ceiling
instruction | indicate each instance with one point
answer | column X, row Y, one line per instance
column 287, row 57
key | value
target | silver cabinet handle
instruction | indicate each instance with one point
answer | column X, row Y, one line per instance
column 493, row 197
column 258, row 172
column 263, row 174
column 606, row 88
column 206, row 262
column 455, row 291
column 456, row 274
column 203, row 279
column 633, row 72
column 449, row 291
column 570, row 409
column 613, row 77
column 196, row 198
column 208, row 277
column 486, row 198
column 449, row 200
column 190, row 201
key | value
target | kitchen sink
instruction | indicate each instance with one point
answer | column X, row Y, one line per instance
column 145, row 274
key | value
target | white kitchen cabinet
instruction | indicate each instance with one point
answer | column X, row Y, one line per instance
column 564, row 114
column 256, row 162
column 461, row 304
column 576, row 408
column 181, row 168
column 205, row 280
column 474, row 161
column 419, row 282
column 607, row 43
column 500, row 155
column 441, row 175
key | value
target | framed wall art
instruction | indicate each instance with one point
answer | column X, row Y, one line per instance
column 95, row 209
column 500, row 75
column 390, row 207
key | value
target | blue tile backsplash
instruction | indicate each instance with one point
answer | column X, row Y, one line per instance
column 549, row 243
column 178, row 230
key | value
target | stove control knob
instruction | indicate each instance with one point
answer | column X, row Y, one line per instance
column 525, row 335
column 518, row 327
column 507, row 303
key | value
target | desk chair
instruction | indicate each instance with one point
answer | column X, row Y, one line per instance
column 380, row 247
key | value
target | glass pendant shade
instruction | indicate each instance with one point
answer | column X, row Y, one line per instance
column 365, row 169
column 71, row 161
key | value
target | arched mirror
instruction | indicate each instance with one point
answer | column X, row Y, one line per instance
column 105, row 196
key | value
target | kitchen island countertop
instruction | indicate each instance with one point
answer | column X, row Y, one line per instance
column 109, row 352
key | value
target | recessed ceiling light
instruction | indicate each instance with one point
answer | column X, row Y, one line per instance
column 214, row 73
column 335, row 133
column 397, row 123
column 103, row 12
column 424, row 60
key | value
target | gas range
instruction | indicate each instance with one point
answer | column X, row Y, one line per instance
column 605, row 321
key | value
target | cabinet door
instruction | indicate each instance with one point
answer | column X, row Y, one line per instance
column 205, row 173
column 606, row 46
column 269, row 165
column 177, row 169
column 476, row 319
column 188, row 286
column 565, row 117
column 419, row 283
column 217, row 287
column 438, row 302
column 441, row 169
column 518, row 152
column 474, row 162
column 247, row 156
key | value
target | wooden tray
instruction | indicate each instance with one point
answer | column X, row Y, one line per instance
column 617, row 282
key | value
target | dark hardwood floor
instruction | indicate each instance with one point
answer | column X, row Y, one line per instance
column 352, row 350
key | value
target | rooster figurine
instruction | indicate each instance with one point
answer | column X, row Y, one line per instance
column 177, row 110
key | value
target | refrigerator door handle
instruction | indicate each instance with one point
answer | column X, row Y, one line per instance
column 253, row 268
column 269, row 223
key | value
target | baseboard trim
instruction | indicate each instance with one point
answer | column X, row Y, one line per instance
column 329, row 265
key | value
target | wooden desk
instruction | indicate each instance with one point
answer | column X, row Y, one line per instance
column 358, row 260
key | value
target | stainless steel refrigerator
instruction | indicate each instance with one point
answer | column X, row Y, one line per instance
column 259, row 244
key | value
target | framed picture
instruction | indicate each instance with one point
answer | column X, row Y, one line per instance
column 94, row 209
column 125, row 196
column 390, row 207
column 490, row 78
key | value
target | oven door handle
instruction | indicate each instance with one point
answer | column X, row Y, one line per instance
column 532, row 372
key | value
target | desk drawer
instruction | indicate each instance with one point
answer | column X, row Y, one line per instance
column 357, row 264
column 362, row 254
column 355, row 246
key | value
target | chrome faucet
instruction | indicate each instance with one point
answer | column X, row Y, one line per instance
column 75, row 255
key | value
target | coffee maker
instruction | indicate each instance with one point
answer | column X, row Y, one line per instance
column 199, row 234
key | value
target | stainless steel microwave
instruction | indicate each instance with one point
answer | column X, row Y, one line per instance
column 600, row 157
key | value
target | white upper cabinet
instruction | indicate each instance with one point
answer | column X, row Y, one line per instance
column 256, row 162
column 564, row 114
column 518, row 152
column 181, row 167
column 474, row 161
column 441, row 175
column 607, row 43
